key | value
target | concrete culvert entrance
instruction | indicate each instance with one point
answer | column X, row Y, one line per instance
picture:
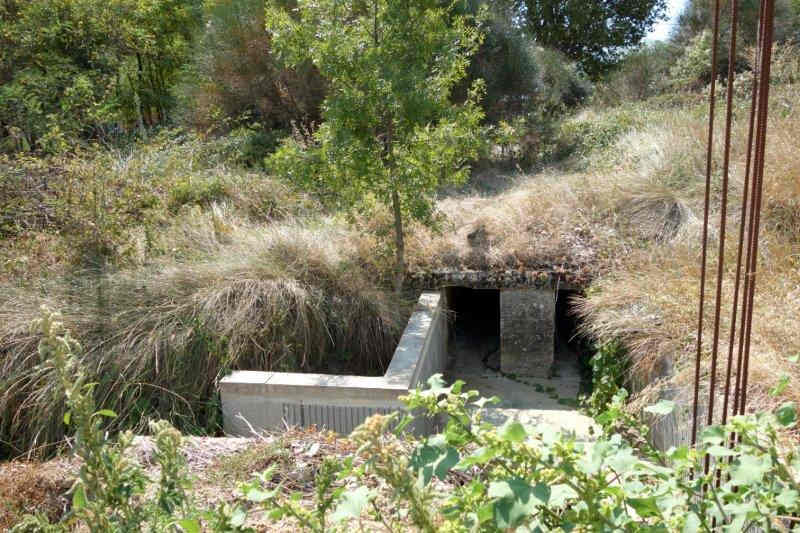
column 475, row 356
column 572, row 350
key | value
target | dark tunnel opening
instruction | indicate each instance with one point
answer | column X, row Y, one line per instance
column 570, row 342
column 475, row 323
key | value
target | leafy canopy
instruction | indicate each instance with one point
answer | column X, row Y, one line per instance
column 595, row 34
column 83, row 68
column 390, row 129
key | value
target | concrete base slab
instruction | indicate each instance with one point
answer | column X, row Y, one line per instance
column 532, row 401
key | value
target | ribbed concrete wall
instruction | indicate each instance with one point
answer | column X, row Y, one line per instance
column 257, row 401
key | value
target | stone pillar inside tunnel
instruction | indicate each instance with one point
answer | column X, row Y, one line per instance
column 527, row 332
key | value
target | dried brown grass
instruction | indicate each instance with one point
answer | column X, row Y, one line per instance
column 285, row 296
column 629, row 228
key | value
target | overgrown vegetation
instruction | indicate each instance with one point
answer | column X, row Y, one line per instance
column 512, row 477
column 135, row 197
column 397, row 63
column 73, row 69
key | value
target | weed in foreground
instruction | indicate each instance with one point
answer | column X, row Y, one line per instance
column 511, row 477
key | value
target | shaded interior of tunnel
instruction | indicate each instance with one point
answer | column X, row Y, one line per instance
column 474, row 328
column 475, row 351
column 572, row 348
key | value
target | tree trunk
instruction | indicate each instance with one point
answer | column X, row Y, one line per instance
column 399, row 244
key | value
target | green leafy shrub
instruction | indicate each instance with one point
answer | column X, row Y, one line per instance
column 642, row 74
column 398, row 65
column 610, row 365
column 77, row 69
column 198, row 191
column 589, row 132
column 511, row 477
column 536, row 479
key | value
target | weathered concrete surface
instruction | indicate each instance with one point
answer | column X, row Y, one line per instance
column 527, row 332
column 480, row 279
column 532, row 401
column 255, row 401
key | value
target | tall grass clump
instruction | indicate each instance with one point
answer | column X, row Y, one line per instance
column 108, row 208
column 649, row 300
column 285, row 296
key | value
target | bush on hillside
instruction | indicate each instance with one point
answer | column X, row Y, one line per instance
column 235, row 79
column 507, row 61
column 112, row 208
column 642, row 74
column 77, row 69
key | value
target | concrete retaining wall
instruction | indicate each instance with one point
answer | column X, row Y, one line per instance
column 257, row 401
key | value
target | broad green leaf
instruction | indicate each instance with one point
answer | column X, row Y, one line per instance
column 108, row 413
column 67, row 417
column 79, row 498
column 664, row 407
column 713, row 435
column 479, row 456
column 351, row 504
column 259, row 495
column 788, row 498
column 560, row 494
column 428, row 461
column 644, row 507
column 749, row 469
column 720, row 451
column 485, row 512
column 516, row 500
column 512, row 431
column 786, row 414
column 623, row 460
column 189, row 526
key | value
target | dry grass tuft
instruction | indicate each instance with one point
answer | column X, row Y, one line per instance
column 282, row 297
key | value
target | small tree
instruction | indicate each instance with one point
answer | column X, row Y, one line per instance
column 595, row 34
column 390, row 130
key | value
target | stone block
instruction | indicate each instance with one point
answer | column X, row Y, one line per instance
column 527, row 332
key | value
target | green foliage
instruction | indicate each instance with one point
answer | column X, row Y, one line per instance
column 536, row 479
column 197, row 192
column 562, row 84
column 641, row 74
column 513, row 477
column 594, row 34
column 589, row 133
column 396, row 63
column 698, row 16
column 113, row 207
column 692, row 70
column 72, row 69
column 234, row 76
column 610, row 365
column 507, row 62
column 111, row 493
